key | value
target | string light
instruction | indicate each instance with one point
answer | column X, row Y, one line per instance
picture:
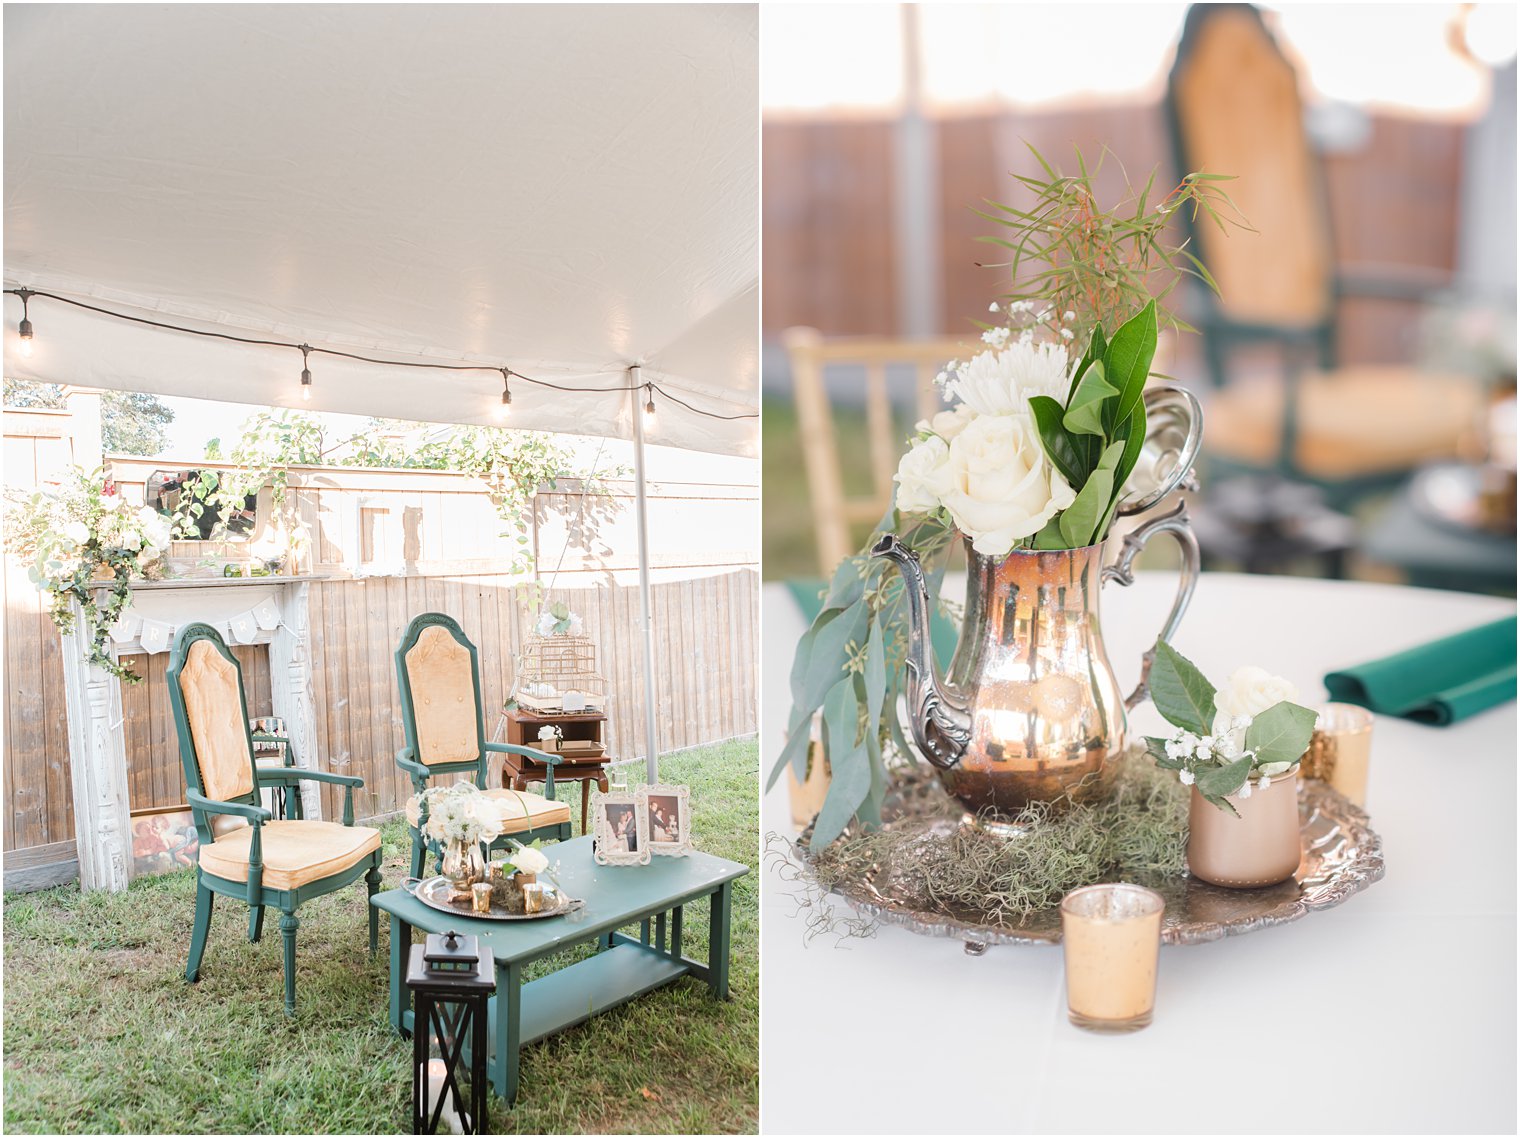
column 307, row 350
column 506, row 394
column 25, row 327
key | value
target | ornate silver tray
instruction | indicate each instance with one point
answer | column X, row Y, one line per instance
column 1342, row 856
column 435, row 891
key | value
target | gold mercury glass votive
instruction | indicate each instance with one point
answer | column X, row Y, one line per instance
column 533, row 898
column 1111, row 938
column 480, row 896
column 1341, row 750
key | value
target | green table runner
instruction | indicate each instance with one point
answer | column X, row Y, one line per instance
column 1442, row 682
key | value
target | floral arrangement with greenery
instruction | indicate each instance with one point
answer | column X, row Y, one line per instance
column 557, row 620
column 1229, row 742
column 1034, row 453
column 83, row 539
column 461, row 813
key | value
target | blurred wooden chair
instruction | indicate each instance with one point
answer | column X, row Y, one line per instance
column 1234, row 108
column 810, row 354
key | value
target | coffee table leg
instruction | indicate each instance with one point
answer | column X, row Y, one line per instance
column 675, row 933
column 508, row 1029
column 401, row 943
column 585, row 802
column 717, row 941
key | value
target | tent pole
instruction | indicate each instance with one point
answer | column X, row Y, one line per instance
column 652, row 760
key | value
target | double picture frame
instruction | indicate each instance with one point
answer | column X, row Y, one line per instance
column 654, row 821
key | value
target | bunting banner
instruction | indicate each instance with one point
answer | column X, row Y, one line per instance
column 155, row 635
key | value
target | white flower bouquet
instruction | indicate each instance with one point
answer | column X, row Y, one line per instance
column 558, row 620
column 528, row 859
column 460, row 813
column 79, row 536
column 1036, row 448
column 1230, row 742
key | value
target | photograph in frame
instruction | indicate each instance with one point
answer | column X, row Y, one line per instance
column 668, row 809
column 622, row 831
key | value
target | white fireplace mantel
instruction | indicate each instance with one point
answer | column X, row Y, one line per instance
column 97, row 743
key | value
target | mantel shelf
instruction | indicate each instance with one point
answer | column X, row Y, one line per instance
column 220, row 582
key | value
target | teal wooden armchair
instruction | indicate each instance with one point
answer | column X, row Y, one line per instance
column 438, row 671
column 247, row 853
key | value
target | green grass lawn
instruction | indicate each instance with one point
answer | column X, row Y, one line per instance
column 102, row 1034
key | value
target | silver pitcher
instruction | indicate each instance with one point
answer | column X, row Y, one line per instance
column 1030, row 707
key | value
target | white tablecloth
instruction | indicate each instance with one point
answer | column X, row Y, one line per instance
column 1394, row 1012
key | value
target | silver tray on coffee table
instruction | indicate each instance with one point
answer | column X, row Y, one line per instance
column 1342, row 856
column 435, row 892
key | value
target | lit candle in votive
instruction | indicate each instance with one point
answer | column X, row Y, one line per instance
column 1341, row 749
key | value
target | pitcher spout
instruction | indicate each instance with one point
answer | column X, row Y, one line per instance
column 939, row 723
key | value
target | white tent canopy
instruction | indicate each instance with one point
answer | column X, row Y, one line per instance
column 564, row 190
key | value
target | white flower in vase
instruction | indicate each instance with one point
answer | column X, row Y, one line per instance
column 947, row 424
column 1185, row 776
column 530, row 860
column 1001, row 382
column 1251, row 690
column 77, row 532
column 923, row 476
column 1004, row 488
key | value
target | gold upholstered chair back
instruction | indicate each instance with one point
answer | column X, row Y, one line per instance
column 810, row 354
column 440, row 681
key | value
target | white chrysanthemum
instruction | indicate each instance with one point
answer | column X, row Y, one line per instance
column 1001, row 382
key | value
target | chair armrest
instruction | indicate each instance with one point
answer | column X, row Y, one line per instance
column 548, row 758
column 254, row 814
column 412, row 767
column 261, row 737
column 299, row 774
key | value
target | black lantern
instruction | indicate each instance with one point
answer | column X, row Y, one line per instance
column 451, row 978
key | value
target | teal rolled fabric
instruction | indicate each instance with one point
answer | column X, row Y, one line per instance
column 1442, row 682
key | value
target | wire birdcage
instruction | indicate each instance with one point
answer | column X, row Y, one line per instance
column 567, row 663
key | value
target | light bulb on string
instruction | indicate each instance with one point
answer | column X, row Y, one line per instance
column 505, row 406
column 305, row 374
column 25, row 327
column 649, row 403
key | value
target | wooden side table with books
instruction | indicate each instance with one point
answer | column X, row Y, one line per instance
column 583, row 752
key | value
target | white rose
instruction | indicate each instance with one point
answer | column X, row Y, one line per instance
column 77, row 532
column 110, row 503
column 923, row 476
column 996, row 383
column 530, row 860
column 131, row 541
column 1251, row 690
column 1004, row 486
column 546, row 624
column 947, row 424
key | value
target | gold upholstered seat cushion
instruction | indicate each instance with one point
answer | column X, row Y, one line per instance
column 1355, row 421
column 521, row 810
column 296, row 853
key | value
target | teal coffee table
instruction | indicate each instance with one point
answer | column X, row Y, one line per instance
column 653, row 896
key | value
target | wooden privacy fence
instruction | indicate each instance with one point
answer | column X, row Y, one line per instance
column 705, row 634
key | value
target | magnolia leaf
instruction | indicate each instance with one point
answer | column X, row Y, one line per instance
column 1281, row 733
column 1132, row 433
column 1180, row 692
column 1085, row 414
column 1128, row 362
column 1059, row 447
column 1050, row 536
column 849, row 765
column 1080, row 519
column 1226, row 780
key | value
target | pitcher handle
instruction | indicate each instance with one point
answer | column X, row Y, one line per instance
column 1176, row 524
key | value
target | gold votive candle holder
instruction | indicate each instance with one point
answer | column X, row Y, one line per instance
column 533, row 898
column 1340, row 752
column 1111, row 939
column 480, row 897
